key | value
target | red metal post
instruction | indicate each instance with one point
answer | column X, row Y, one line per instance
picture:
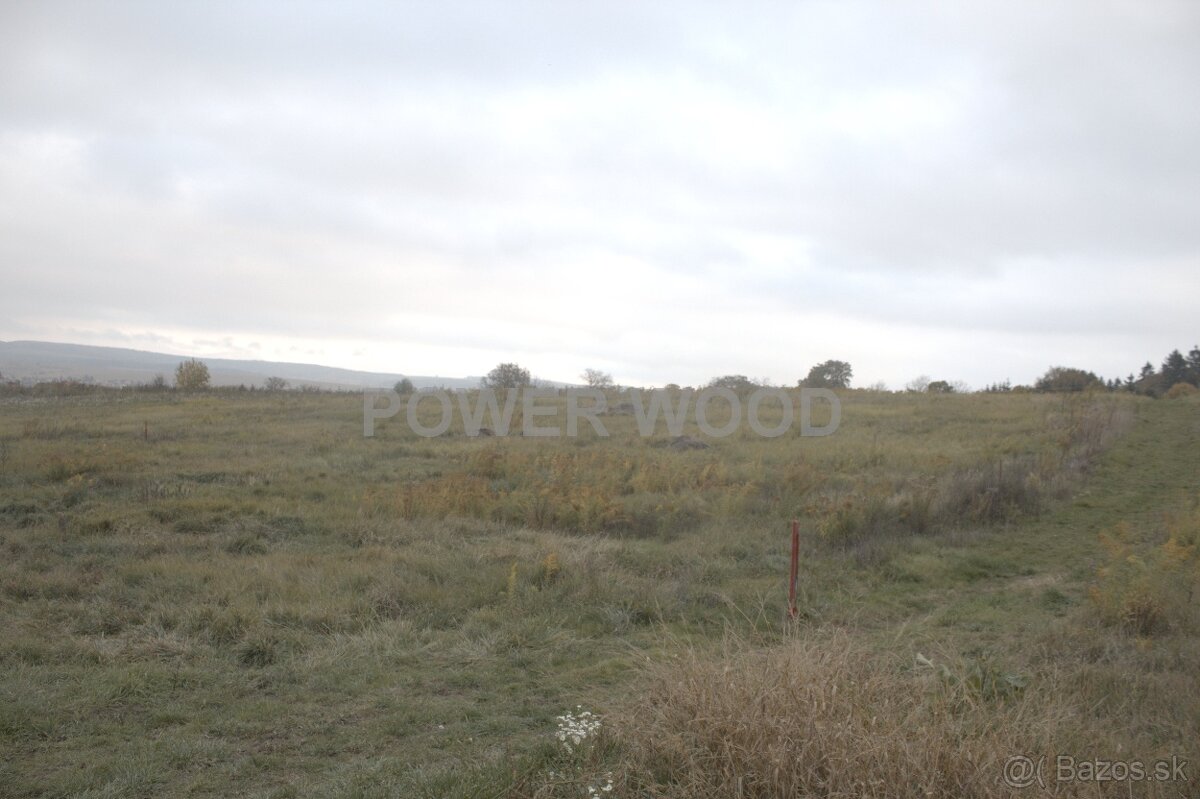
column 795, row 569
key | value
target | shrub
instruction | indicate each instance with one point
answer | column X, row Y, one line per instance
column 191, row 375
column 830, row 374
column 1062, row 378
column 508, row 375
column 1181, row 390
column 850, row 521
column 998, row 492
column 595, row 378
column 825, row 717
column 1149, row 590
column 732, row 382
column 918, row 385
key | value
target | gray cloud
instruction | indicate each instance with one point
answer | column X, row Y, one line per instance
column 666, row 190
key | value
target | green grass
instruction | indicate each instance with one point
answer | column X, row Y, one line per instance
column 238, row 594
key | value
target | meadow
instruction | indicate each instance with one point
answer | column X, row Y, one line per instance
column 236, row 593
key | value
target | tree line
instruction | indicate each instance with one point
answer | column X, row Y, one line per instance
column 1178, row 374
column 1176, row 369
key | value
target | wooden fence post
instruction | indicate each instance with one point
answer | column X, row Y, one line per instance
column 795, row 569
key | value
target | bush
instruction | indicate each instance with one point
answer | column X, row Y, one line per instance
column 508, row 375
column 595, row 378
column 826, row 717
column 1181, row 390
column 1062, row 378
column 732, row 382
column 997, row 492
column 191, row 375
column 830, row 374
column 1148, row 590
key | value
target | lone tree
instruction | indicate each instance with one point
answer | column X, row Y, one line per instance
column 191, row 375
column 404, row 387
column 1063, row 378
column 507, row 375
column 597, row 379
column 275, row 384
column 734, row 382
column 1174, row 369
column 831, row 374
column 940, row 387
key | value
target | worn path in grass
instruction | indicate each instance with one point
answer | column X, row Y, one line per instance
column 985, row 590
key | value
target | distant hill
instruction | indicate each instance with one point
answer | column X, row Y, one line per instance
column 36, row 361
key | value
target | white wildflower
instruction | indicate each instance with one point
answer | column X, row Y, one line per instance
column 574, row 728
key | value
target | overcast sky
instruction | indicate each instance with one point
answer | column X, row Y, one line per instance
column 667, row 191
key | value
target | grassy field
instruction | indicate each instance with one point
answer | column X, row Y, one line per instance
column 238, row 594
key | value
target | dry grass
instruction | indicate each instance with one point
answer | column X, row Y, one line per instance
column 824, row 717
column 239, row 595
column 827, row 716
column 854, row 490
column 1148, row 588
